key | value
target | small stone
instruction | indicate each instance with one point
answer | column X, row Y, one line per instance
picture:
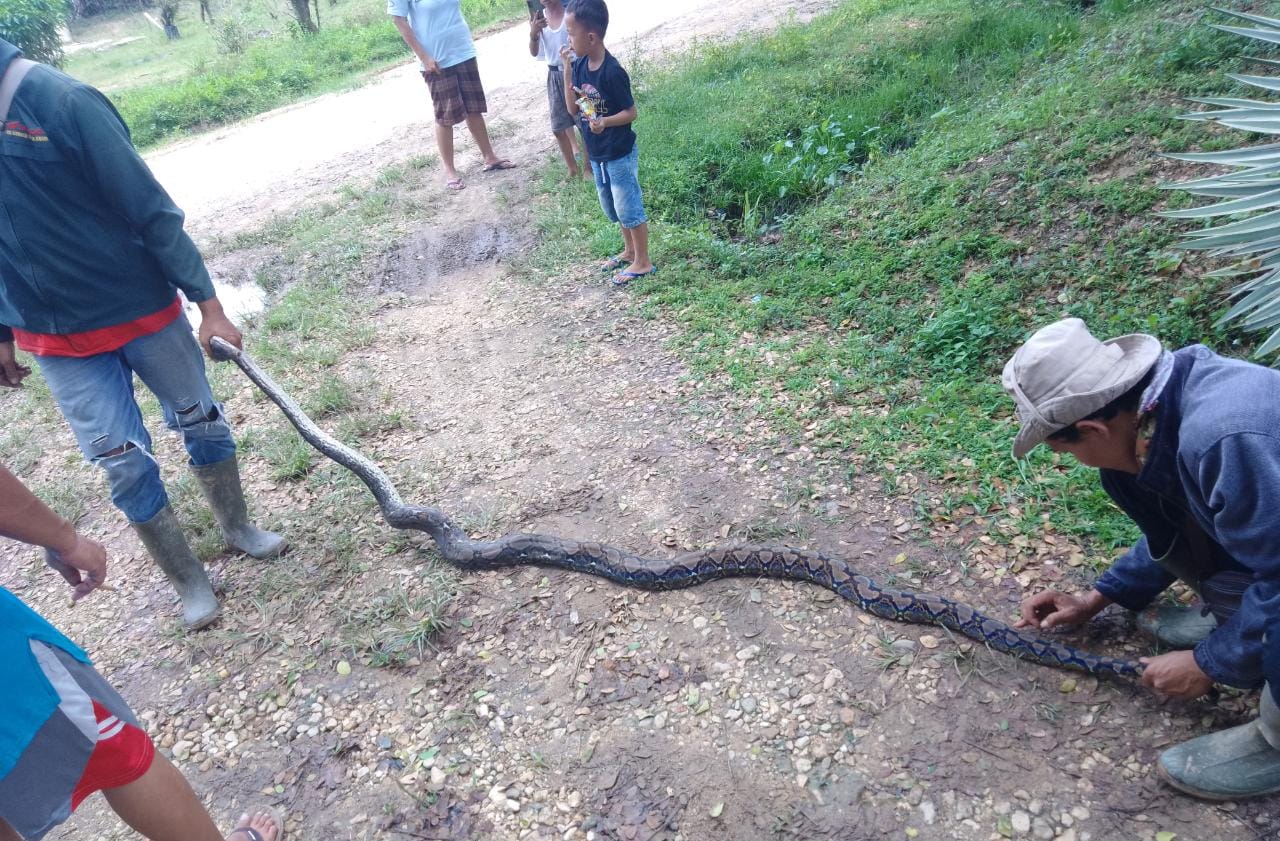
column 699, row 622
column 748, row 653
column 748, row 704
column 807, row 700
column 927, row 812
column 1080, row 813
column 513, row 806
column 438, row 777
column 1021, row 822
column 803, row 765
column 848, row 715
column 1068, row 835
column 903, row 645
column 182, row 750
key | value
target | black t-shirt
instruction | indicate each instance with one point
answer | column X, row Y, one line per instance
column 608, row 90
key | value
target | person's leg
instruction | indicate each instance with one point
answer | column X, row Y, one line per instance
column 95, row 395
column 628, row 244
column 564, row 139
column 1240, row 762
column 7, row 833
column 162, row 807
column 444, row 142
column 172, row 365
column 628, row 201
column 640, row 245
column 476, row 124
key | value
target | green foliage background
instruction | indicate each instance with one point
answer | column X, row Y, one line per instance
column 33, row 26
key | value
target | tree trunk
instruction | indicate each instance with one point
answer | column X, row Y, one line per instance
column 302, row 14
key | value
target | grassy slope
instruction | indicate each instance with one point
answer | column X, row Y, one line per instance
column 165, row 89
column 974, row 170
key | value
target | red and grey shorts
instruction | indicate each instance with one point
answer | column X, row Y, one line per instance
column 92, row 742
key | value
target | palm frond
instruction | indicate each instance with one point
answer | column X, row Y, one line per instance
column 1249, row 191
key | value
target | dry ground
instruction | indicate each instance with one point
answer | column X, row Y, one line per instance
column 557, row 706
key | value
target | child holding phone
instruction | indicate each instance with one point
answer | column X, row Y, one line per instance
column 547, row 34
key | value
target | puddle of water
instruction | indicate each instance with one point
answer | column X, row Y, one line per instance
column 240, row 301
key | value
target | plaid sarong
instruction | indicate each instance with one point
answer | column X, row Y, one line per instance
column 456, row 92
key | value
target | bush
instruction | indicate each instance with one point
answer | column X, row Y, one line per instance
column 33, row 25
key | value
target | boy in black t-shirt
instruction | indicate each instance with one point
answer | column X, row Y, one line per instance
column 598, row 92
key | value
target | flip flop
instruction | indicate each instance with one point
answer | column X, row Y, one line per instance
column 503, row 164
column 622, row 279
column 614, row 263
column 455, row 184
column 253, row 835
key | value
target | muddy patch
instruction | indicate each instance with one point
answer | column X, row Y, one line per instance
column 432, row 255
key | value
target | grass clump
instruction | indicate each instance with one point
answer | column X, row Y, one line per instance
column 859, row 219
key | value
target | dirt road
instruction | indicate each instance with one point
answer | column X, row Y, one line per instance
column 556, row 706
column 232, row 179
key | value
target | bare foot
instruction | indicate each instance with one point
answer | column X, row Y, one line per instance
column 261, row 827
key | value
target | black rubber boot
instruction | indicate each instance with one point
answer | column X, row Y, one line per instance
column 220, row 483
column 1176, row 626
column 162, row 536
column 1234, row 764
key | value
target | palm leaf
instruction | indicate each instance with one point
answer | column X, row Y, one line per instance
column 1250, row 191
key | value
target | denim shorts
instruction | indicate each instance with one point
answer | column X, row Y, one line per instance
column 618, row 183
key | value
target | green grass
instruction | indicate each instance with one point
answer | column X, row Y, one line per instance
column 859, row 219
column 164, row 89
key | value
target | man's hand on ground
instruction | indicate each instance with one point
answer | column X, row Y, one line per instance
column 1052, row 609
column 214, row 322
column 11, row 373
column 1176, row 674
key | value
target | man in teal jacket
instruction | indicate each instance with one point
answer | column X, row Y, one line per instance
column 92, row 257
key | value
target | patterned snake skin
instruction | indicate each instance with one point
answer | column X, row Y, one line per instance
column 686, row 570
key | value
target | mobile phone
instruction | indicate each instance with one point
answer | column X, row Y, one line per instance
column 535, row 8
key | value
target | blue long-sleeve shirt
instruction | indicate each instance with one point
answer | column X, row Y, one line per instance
column 1214, row 457
column 88, row 237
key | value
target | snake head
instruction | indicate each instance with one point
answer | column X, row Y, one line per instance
column 222, row 350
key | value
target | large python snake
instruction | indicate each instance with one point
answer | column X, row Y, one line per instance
column 685, row 570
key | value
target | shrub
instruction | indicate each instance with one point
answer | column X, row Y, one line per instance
column 33, row 26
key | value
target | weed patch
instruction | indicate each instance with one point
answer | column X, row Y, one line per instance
column 865, row 215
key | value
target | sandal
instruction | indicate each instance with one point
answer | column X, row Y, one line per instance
column 494, row 167
column 254, row 835
column 622, row 279
column 455, row 184
column 614, row 263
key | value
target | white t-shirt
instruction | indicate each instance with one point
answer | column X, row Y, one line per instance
column 550, row 41
column 439, row 28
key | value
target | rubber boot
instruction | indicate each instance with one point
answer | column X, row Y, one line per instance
column 1176, row 626
column 167, row 545
column 220, row 483
column 1234, row 764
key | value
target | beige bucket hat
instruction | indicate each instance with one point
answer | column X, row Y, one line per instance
column 1062, row 374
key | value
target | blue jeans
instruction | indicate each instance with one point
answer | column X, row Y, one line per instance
column 95, row 394
column 618, row 184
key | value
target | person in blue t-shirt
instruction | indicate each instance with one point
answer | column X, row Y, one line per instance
column 598, row 92
column 65, row 734
column 439, row 36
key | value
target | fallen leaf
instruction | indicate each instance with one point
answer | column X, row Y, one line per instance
column 717, row 810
